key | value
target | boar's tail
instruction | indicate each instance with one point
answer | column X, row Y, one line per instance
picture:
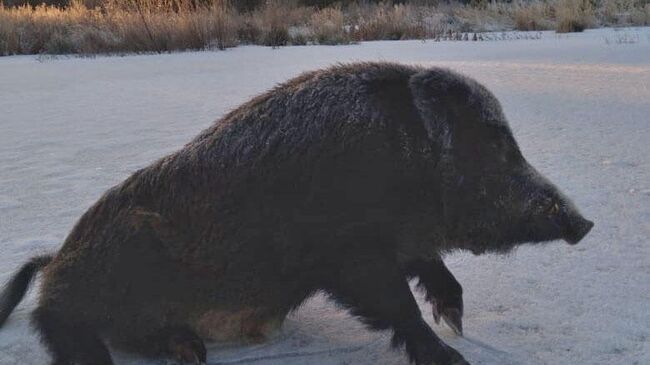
column 17, row 286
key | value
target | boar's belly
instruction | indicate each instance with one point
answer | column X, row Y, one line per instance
column 245, row 325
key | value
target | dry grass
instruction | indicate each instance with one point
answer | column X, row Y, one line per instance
column 533, row 15
column 574, row 15
column 328, row 26
column 385, row 21
column 144, row 26
column 624, row 12
column 132, row 26
column 120, row 26
column 270, row 25
column 641, row 16
column 486, row 17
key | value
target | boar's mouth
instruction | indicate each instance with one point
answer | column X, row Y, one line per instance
column 577, row 230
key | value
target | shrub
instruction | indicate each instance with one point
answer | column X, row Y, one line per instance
column 534, row 15
column 574, row 15
column 391, row 22
column 121, row 26
column 328, row 26
column 270, row 24
column 640, row 15
column 488, row 16
column 111, row 26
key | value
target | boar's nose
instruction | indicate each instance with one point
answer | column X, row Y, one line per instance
column 577, row 230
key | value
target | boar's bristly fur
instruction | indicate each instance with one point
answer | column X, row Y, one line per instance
column 349, row 180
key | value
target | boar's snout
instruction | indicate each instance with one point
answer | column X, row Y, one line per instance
column 556, row 215
column 577, row 229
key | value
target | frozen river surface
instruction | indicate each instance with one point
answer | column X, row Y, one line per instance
column 579, row 106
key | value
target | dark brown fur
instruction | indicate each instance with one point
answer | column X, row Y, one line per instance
column 348, row 180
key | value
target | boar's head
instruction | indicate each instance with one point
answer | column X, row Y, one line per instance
column 493, row 199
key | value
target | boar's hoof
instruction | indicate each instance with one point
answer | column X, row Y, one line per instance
column 451, row 313
column 186, row 347
column 453, row 319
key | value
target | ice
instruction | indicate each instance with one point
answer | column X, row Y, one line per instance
column 579, row 105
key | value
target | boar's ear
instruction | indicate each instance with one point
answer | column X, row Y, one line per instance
column 447, row 107
column 442, row 99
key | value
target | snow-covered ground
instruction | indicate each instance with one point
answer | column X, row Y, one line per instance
column 579, row 106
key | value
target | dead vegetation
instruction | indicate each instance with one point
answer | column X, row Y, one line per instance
column 121, row 26
column 132, row 26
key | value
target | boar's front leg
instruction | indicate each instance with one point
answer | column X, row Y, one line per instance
column 442, row 290
column 376, row 290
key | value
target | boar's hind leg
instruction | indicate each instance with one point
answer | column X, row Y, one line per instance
column 153, row 319
column 69, row 343
column 442, row 290
column 375, row 290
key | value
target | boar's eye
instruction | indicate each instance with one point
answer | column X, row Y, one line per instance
column 553, row 208
column 547, row 205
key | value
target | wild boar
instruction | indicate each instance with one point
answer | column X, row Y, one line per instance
column 349, row 180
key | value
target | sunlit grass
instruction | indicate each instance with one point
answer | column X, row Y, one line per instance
column 134, row 26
